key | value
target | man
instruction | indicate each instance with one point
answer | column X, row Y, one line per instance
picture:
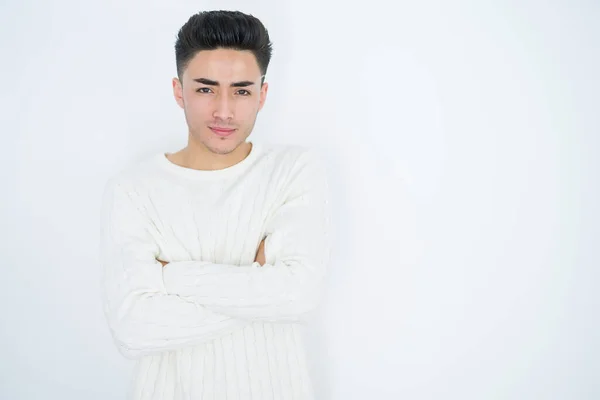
column 214, row 255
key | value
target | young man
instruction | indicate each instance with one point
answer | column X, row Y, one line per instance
column 214, row 255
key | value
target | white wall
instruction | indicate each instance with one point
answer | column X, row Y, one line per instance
column 465, row 140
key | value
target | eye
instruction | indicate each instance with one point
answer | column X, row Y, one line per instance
column 203, row 90
column 247, row 93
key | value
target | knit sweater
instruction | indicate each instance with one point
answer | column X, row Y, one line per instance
column 213, row 323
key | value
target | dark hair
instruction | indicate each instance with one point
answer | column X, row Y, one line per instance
column 210, row 30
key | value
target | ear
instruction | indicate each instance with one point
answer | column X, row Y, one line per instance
column 178, row 92
column 263, row 95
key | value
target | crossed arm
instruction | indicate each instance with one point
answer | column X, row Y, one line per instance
column 152, row 305
column 259, row 258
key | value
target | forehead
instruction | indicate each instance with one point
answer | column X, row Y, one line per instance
column 223, row 65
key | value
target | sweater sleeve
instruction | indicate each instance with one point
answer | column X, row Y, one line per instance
column 297, row 248
column 142, row 317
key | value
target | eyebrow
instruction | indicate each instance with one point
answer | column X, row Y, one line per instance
column 210, row 82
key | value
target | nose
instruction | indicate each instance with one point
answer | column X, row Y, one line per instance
column 223, row 107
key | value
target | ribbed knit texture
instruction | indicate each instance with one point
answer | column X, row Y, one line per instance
column 214, row 324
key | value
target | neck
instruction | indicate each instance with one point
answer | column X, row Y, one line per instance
column 201, row 158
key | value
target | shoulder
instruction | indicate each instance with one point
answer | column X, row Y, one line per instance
column 298, row 168
column 132, row 176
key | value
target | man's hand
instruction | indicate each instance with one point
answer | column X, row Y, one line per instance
column 260, row 253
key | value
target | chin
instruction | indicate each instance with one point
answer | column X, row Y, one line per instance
column 224, row 147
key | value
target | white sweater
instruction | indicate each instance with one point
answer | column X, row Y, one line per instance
column 214, row 324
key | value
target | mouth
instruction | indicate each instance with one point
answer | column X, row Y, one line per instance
column 223, row 132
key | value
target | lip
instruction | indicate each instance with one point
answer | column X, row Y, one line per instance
column 222, row 131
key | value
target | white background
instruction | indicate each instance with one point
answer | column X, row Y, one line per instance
column 463, row 142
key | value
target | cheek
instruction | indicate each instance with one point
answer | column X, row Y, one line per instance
column 249, row 108
column 197, row 107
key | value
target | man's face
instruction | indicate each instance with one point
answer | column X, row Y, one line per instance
column 220, row 92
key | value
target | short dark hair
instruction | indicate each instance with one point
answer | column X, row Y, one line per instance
column 210, row 30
